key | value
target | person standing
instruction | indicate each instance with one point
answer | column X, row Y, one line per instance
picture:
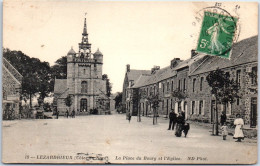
column 179, row 126
column 67, row 113
column 223, row 118
column 172, row 120
column 73, row 113
column 129, row 117
column 224, row 131
column 57, row 114
column 239, row 122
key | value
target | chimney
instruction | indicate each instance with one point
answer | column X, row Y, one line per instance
column 127, row 68
column 175, row 62
column 153, row 70
column 193, row 53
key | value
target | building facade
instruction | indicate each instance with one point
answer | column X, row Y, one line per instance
column 12, row 86
column 182, row 86
column 84, row 83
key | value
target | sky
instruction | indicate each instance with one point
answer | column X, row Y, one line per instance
column 142, row 34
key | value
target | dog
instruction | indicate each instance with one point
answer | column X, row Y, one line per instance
column 186, row 128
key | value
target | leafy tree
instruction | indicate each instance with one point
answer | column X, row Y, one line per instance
column 154, row 101
column 36, row 74
column 108, row 84
column 118, row 99
column 224, row 89
column 68, row 101
column 59, row 69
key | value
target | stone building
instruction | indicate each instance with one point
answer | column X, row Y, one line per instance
column 182, row 85
column 131, row 76
column 242, row 67
column 12, row 86
column 84, row 81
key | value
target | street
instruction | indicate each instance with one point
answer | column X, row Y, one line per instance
column 113, row 137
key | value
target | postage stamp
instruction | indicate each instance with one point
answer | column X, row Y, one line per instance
column 217, row 34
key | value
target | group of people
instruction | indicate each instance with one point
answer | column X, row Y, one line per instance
column 239, row 123
column 180, row 122
column 72, row 114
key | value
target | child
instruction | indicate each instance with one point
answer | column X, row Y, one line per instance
column 186, row 128
column 224, row 131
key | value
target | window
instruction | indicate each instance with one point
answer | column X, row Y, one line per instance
column 192, row 107
column 193, row 85
column 184, row 84
column 185, row 105
column 168, row 86
column 172, row 85
column 151, row 90
column 238, row 101
column 238, row 77
column 162, row 88
column 179, row 106
column 179, row 85
column 154, row 90
column 84, row 71
column 200, row 107
column 171, row 104
column 201, row 83
column 227, row 74
column 84, row 87
column 254, row 76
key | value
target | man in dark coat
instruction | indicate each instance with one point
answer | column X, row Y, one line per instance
column 58, row 112
column 172, row 122
column 223, row 118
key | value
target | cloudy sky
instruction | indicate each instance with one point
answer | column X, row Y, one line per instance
column 142, row 34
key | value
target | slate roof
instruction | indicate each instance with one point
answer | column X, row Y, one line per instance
column 141, row 81
column 135, row 74
column 243, row 52
column 60, row 85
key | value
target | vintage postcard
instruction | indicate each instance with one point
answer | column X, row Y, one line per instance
column 134, row 82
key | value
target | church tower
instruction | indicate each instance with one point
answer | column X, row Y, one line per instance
column 84, row 76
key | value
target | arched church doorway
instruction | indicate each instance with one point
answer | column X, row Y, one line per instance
column 83, row 105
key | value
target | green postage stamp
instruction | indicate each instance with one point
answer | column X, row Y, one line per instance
column 217, row 34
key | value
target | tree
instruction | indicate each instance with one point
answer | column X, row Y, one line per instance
column 36, row 74
column 108, row 84
column 59, row 69
column 179, row 95
column 118, row 99
column 153, row 101
column 68, row 101
column 224, row 89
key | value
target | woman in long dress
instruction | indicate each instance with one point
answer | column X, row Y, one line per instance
column 239, row 122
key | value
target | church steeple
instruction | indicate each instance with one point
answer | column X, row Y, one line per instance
column 85, row 28
column 85, row 46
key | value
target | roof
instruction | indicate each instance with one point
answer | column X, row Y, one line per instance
column 141, row 81
column 135, row 74
column 242, row 52
column 60, row 85
column 98, row 52
column 71, row 52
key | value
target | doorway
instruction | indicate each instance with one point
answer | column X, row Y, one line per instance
column 253, row 113
column 83, row 105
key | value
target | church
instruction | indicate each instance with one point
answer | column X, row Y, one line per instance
column 84, row 83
